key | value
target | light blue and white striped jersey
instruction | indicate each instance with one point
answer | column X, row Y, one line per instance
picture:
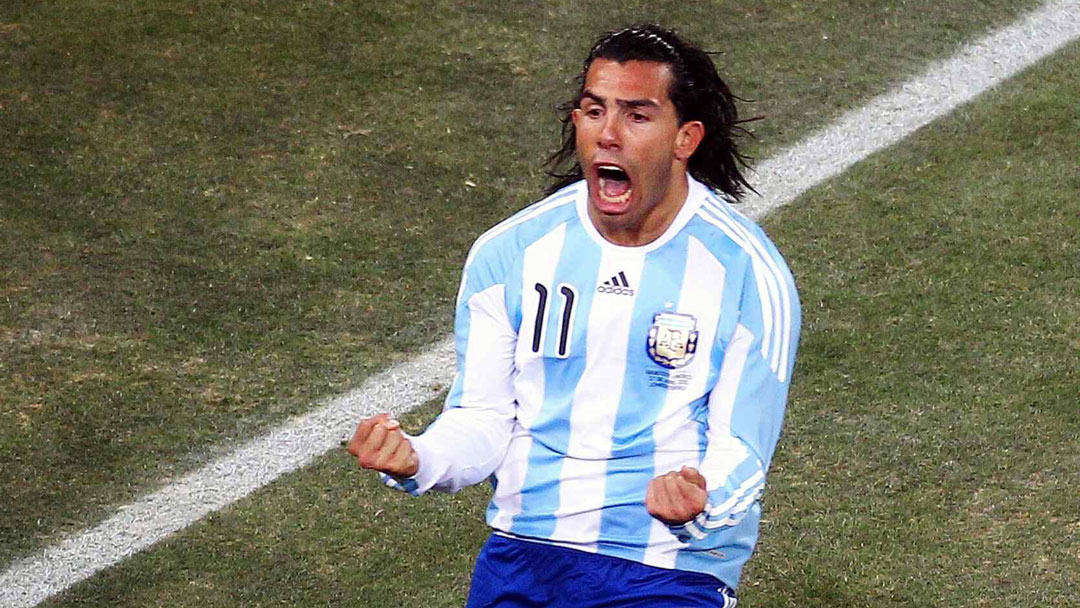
column 585, row 369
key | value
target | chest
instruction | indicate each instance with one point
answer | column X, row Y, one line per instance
column 660, row 310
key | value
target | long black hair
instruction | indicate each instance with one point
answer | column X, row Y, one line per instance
column 698, row 93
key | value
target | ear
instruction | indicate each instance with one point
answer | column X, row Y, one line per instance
column 575, row 115
column 687, row 140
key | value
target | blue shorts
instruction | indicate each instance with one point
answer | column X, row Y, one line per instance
column 513, row 573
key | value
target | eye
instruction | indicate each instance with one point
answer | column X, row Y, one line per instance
column 593, row 112
column 638, row 117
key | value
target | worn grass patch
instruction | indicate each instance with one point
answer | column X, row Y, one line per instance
column 216, row 214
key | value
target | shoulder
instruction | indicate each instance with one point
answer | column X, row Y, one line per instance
column 731, row 233
column 735, row 237
column 495, row 254
column 510, row 236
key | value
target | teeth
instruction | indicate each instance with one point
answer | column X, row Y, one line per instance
column 622, row 198
column 613, row 169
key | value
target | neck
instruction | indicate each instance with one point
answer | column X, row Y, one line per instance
column 635, row 230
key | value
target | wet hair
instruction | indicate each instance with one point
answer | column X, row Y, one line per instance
column 697, row 92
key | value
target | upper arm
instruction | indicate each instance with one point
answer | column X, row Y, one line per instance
column 485, row 340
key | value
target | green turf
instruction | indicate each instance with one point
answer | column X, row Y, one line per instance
column 216, row 214
column 325, row 536
column 929, row 455
column 934, row 425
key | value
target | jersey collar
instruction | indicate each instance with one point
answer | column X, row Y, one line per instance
column 695, row 195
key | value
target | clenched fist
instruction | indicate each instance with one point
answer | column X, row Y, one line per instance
column 379, row 444
column 677, row 497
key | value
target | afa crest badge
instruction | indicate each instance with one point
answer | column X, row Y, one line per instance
column 672, row 339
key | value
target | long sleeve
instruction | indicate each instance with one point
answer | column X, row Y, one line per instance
column 469, row 439
column 746, row 407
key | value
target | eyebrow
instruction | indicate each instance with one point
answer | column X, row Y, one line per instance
column 623, row 103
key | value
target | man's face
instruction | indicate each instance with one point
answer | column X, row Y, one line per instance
column 632, row 149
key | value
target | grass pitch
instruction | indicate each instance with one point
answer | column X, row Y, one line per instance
column 220, row 213
column 931, row 435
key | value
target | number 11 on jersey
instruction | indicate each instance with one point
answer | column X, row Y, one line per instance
column 566, row 325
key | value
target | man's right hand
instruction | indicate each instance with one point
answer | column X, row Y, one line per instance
column 379, row 444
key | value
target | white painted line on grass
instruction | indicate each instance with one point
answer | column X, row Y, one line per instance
column 895, row 115
column 884, row 121
column 255, row 464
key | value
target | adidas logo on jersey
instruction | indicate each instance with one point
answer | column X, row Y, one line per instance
column 617, row 285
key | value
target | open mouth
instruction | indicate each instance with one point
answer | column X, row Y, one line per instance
column 614, row 183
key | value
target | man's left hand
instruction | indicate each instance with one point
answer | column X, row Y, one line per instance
column 677, row 497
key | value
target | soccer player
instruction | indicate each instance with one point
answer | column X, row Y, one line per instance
column 624, row 350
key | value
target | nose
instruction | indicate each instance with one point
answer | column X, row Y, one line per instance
column 609, row 132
